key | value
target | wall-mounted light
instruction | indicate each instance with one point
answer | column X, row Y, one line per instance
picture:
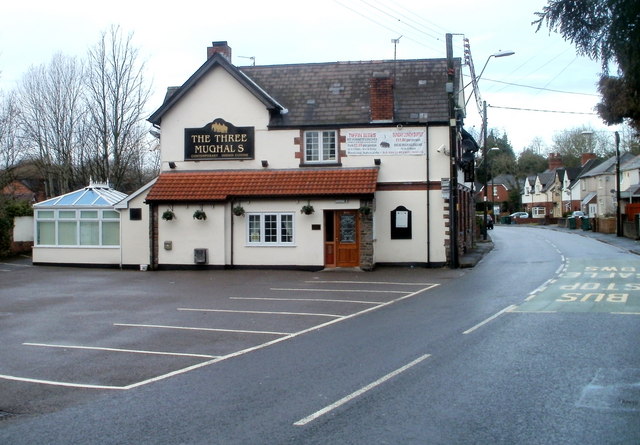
column 172, row 164
column 265, row 163
column 377, row 161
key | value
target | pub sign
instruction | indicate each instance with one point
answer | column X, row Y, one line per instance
column 218, row 140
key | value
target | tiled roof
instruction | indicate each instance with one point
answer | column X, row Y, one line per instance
column 226, row 184
column 334, row 93
column 338, row 92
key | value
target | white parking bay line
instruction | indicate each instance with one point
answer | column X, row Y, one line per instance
column 55, row 383
column 494, row 316
column 389, row 283
column 325, row 300
column 359, row 392
column 341, row 290
column 259, row 312
column 189, row 328
column 134, row 351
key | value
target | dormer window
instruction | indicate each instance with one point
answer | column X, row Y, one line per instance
column 320, row 146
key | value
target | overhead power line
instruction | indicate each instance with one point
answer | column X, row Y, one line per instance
column 538, row 88
column 541, row 111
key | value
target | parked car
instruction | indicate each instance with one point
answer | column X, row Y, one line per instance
column 578, row 214
column 519, row 215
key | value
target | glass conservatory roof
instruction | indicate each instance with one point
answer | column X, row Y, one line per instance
column 95, row 195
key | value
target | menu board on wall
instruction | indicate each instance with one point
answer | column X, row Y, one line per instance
column 381, row 142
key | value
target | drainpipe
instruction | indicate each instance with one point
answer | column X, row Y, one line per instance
column 428, row 201
column 231, row 246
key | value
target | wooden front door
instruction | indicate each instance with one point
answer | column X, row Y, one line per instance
column 342, row 243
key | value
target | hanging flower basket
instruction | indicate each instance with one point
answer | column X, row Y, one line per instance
column 307, row 209
column 238, row 210
column 365, row 210
column 199, row 215
column 168, row 215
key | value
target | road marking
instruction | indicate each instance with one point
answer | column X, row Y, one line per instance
column 516, row 311
column 626, row 313
column 134, row 351
column 284, row 337
column 259, row 312
column 306, row 299
column 494, row 316
column 341, row 290
column 390, row 283
column 16, row 265
column 189, row 328
column 54, row 383
column 274, row 341
column 359, row 392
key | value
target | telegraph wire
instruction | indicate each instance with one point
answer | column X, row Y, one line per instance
column 395, row 30
column 430, row 33
column 541, row 111
column 538, row 88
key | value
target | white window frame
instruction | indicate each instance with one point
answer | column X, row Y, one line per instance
column 101, row 217
column 537, row 212
column 260, row 238
column 323, row 150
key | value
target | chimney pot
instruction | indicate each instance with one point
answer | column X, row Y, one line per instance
column 586, row 157
column 219, row 47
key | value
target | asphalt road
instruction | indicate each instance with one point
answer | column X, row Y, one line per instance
column 523, row 349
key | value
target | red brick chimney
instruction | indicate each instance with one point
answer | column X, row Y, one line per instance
column 381, row 97
column 219, row 47
column 586, row 157
column 555, row 161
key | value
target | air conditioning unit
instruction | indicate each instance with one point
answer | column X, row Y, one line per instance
column 200, row 256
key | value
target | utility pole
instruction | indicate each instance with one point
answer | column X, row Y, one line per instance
column 453, row 149
column 619, row 229
column 486, row 168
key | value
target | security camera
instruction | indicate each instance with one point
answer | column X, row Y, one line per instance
column 440, row 148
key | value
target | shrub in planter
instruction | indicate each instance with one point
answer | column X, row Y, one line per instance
column 199, row 215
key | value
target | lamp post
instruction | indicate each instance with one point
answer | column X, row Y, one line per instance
column 475, row 79
column 619, row 230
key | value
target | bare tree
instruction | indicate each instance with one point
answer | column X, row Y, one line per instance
column 51, row 112
column 10, row 154
column 117, row 93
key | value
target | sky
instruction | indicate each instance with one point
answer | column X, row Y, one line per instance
column 545, row 73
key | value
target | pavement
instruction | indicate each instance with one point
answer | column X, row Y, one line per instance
column 473, row 256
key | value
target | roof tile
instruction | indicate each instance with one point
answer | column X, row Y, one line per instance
column 223, row 185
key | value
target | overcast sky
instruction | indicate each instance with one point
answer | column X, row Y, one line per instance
column 544, row 74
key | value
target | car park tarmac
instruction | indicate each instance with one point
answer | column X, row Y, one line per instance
column 88, row 330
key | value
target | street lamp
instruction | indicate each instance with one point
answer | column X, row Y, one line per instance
column 496, row 55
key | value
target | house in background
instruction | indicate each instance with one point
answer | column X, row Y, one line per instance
column 498, row 191
column 599, row 186
column 630, row 188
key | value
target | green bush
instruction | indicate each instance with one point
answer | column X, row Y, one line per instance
column 9, row 209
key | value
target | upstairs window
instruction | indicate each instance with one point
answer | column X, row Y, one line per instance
column 320, row 146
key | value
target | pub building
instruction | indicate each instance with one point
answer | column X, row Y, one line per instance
column 306, row 166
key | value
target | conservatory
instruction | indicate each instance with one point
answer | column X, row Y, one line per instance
column 81, row 227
